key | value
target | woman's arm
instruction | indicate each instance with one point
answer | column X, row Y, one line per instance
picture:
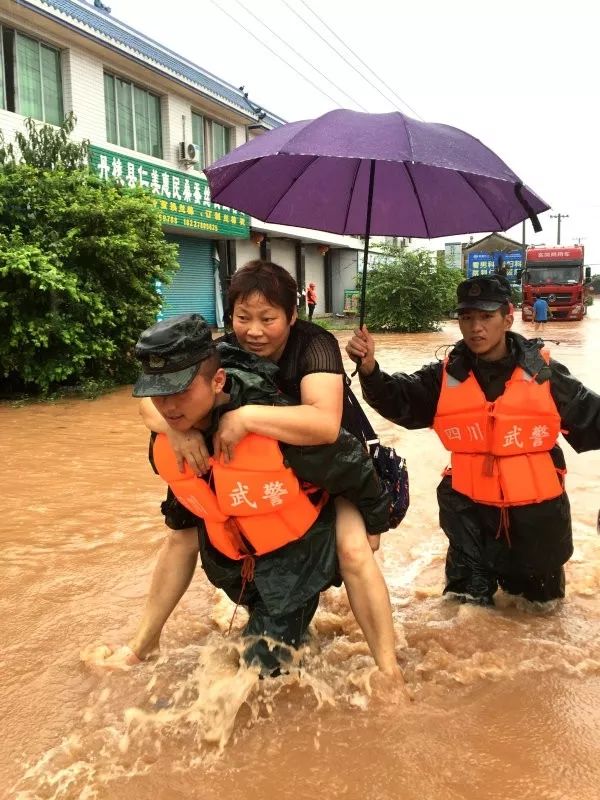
column 316, row 421
column 188, row 447
column 151, row 417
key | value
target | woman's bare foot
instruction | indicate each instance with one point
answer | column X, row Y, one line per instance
column 389, row 686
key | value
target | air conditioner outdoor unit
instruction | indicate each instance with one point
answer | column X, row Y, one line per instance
column 189, row 153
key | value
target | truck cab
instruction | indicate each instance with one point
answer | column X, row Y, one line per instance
column 557, row 275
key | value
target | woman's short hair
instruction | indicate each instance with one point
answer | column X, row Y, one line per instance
column 263, row 277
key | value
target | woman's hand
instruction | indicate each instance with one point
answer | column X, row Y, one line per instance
column 232, row 428
column 362, row 347
column 189, row 447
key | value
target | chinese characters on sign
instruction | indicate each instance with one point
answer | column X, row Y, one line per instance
column 183, row 199
column 487, row 263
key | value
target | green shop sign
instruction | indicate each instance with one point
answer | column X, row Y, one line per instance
column 183, row 199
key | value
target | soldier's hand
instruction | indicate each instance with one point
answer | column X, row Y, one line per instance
column 362, row 347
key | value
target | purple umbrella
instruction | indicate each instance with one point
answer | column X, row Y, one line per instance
column 384, row 174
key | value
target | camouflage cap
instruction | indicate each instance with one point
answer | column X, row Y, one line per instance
column 171, row 353
column 483, row 293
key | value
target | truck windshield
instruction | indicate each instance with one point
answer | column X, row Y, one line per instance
column 555, row 274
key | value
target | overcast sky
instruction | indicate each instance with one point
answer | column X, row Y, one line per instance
column 521, row 75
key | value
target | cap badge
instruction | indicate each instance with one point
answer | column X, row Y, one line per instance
column 474, row 290
column 156, row 362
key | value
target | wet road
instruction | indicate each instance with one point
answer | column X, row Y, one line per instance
column 505, row 702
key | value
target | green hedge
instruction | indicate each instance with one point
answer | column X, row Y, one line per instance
column 79, row 259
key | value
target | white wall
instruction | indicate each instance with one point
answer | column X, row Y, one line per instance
column 83, row 65
column 245, row 250
column 344, row 270
column 315, row 272
column 84, row 82
column 283, row 252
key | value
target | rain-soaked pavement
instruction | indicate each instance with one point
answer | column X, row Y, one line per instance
column 505, row 702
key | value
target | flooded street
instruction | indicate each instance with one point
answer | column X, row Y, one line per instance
column 505, row 702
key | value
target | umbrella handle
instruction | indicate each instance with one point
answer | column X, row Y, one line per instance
column 363, row 288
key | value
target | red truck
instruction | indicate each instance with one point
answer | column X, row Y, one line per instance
column 557, row 275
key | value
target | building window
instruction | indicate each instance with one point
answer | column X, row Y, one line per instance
column 220, row 140
column 30, row 77
column 212, row 139
column 132, row 116
column 198, row 139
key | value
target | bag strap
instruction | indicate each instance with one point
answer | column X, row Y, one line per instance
column 369, row 435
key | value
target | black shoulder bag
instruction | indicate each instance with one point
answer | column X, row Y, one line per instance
column 390, row 467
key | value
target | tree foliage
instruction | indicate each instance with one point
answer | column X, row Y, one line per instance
column 79, row 261
column 45, row 146
column 409, row 291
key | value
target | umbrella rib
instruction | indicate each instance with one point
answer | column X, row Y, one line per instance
column 351, row 192
column 408, row 136
column 418, row 200
column 473, row 189
column 248, row 165
column 281, row 196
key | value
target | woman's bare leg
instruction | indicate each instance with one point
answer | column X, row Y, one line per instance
column 367, row 591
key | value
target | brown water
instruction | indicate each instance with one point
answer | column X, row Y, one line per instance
column 505, row 702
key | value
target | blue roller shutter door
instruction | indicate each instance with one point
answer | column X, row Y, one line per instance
column 193, row 286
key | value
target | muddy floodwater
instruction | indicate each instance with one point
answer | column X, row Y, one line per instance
column 505, row 703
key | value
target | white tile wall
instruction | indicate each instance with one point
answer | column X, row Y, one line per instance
column 85, row 83
column 83, row 92
column 314, row 269
column 245, row 250
column 283, row 252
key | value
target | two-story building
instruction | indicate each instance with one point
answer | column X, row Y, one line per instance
column 155, row 119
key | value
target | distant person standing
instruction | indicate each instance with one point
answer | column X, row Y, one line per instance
column 540, row 313
column 311, row 299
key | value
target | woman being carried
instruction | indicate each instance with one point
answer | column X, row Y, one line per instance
column 262, row 298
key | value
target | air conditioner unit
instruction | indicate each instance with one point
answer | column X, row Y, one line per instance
column 189, row 153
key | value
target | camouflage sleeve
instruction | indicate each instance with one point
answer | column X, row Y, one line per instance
column 344, row 468
column 579, row 408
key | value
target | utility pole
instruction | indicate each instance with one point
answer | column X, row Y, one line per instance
column 558, row 217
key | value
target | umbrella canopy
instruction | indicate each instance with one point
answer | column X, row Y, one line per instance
column 349, row 172
column 430, row 180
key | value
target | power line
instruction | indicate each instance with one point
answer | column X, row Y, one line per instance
column 358, row 58
column 298, row 54
column 339, row 53
column 275, row 53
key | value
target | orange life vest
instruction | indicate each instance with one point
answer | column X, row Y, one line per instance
column 253, row 505
column 500, row 450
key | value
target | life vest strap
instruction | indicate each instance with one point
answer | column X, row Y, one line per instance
column 247, row 574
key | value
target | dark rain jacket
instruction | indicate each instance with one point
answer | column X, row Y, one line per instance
column 287, row 578
column 540, row 534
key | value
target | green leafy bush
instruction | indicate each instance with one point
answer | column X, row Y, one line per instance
column 409, row 291
column 79, row 261
column 517, row 295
